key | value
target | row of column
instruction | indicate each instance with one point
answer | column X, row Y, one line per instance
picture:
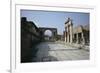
column 80, row 40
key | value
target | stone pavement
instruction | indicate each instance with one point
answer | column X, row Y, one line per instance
column 51, row 51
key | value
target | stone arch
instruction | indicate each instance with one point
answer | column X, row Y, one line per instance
column 48, row 33
column 53, row 30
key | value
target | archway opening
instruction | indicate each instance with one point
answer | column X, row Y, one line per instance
column 48, row 35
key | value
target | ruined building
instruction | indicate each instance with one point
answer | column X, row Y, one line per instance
column 79, row 34
column 30, row 36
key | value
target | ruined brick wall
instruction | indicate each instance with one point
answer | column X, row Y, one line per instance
column 29, row 37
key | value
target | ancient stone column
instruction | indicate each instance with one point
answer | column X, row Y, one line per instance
column 83, row 39
column 65, row 36
column 69, row 26
column 71, row 33
column 77, row 40
column 68, row 34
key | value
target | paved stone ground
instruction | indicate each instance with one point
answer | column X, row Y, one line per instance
column 51, row 51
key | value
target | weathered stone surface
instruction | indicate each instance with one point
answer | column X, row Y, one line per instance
column 50, row 51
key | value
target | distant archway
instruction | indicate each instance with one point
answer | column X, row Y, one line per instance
column 49, row 33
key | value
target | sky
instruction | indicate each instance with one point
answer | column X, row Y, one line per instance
column 55, row 19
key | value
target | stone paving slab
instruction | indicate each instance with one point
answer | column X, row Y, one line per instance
column 50, row 51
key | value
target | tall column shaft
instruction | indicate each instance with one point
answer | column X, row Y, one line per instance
column 77, row 40
column 71, row 34
column 83, row 39
column 65, row 36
